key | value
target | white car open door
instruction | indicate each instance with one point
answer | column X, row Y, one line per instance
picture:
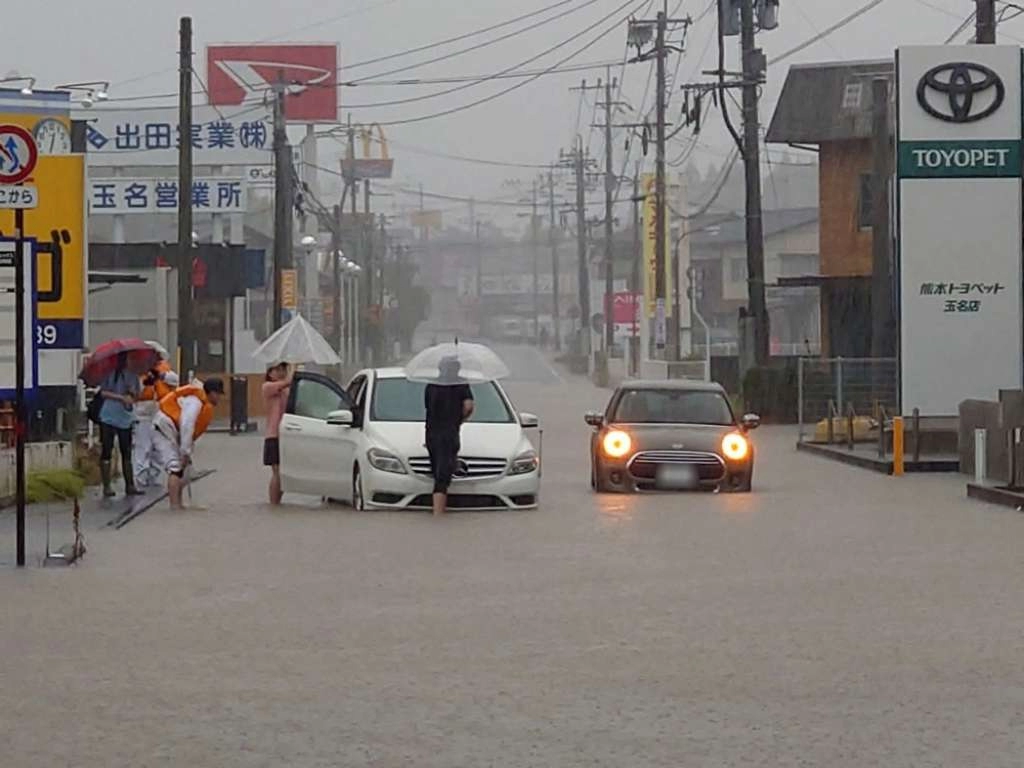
column 311, row 446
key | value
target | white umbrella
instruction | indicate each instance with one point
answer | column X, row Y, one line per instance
column 160, row 348
column 456, row 363
column 296, row 342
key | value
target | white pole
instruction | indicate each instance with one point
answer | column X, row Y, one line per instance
column 980, row 459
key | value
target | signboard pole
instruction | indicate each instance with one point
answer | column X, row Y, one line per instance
column 19, row 384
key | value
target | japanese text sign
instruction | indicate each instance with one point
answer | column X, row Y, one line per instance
column 122, row 195
column 120, row 137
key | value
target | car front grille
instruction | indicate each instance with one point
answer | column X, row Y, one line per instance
column 461, row 501
column 710, row 467
column 476, row 468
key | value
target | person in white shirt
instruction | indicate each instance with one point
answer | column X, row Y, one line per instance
column 184, row 415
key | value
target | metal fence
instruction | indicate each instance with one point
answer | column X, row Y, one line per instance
column 833, row 388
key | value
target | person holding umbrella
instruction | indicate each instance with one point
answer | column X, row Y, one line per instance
column 448, row 403
column 275, row 398
column 448, row 370
column 119, row 391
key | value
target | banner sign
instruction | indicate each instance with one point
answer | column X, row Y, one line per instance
column 511, row 285
column 123, row 195
column 648, row 189
column 124, row 137
column 246, row 73
column 959, row 207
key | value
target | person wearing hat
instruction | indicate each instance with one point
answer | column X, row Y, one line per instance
column 158, row 382
column 275, row 398
column 448, row 403
column 184, row 415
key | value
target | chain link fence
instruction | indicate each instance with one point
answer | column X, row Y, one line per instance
column 832, row 389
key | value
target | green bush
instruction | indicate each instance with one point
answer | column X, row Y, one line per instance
column 53, row 485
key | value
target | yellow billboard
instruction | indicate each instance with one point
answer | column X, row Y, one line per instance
column 648, row 189
column 59, row 227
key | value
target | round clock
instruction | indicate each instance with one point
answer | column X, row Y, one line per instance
column 52, row 137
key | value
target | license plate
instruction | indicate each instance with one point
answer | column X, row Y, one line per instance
column 676, row 478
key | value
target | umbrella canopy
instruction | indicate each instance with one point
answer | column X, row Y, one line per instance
column 160, row 348
column 456, row 363
column 296, row 342
column 139, row 358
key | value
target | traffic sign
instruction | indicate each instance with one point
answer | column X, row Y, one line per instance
column 23, row 196
column 18, row 154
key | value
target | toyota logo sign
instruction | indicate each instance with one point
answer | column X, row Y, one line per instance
column 960, row 92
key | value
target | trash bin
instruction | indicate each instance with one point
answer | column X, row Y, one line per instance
column 239, row 404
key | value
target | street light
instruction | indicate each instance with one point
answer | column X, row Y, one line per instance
column 95, row 90
column 27, row 89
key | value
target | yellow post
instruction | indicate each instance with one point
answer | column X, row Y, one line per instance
column 897, row 446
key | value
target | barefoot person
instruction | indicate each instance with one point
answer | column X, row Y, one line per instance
column 275, row 398
column 447, row 405
column 185, row 414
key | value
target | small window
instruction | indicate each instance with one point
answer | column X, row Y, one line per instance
column 865, row 203
column 315, row 400
column 738, row 270
column 851, row 95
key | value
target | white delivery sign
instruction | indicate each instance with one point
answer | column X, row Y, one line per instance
column 959, row 187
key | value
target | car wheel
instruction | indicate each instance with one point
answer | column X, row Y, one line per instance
column 358, row 502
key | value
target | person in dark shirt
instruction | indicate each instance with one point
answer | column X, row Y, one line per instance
column 448, row 404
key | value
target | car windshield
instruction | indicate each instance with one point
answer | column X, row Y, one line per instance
column 402, row 400
column 672, row 406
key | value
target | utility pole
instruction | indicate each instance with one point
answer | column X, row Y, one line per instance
column 282, row 198
column 753, row 72
column 634, row 283
column 660, row 215
column 186, row 344
column 610, row 181
column 372, row 331
column 535, row 245
column 553, row 242
column 581, row 248
column 985, row 22
column 336, row 281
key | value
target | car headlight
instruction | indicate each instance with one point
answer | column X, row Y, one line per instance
column 385, row 461
column 524, row 463
column 735, row 446
column 617, row 443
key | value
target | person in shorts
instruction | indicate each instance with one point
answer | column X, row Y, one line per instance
column 448, row 403
column 276, row 388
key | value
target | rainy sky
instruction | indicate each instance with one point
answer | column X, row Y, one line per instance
column 133, row 44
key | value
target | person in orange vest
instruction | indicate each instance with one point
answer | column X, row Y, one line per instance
column 184, row 415
column 157, row 383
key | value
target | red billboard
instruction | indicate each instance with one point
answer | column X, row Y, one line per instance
column 625, row 308
column 245, row 73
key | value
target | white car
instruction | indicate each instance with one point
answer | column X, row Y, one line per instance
column 364, row 444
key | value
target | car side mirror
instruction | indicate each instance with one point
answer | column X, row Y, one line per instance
column 594, row 419
column 342, row 418
column 750, row 421
column 528, row 421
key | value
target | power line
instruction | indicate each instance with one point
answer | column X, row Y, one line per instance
column 529, row 80
column 459, row 38
column 827, row 31
column 478, row 46
column 483, row 79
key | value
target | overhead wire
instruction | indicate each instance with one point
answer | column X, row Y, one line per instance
column 461, row 108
